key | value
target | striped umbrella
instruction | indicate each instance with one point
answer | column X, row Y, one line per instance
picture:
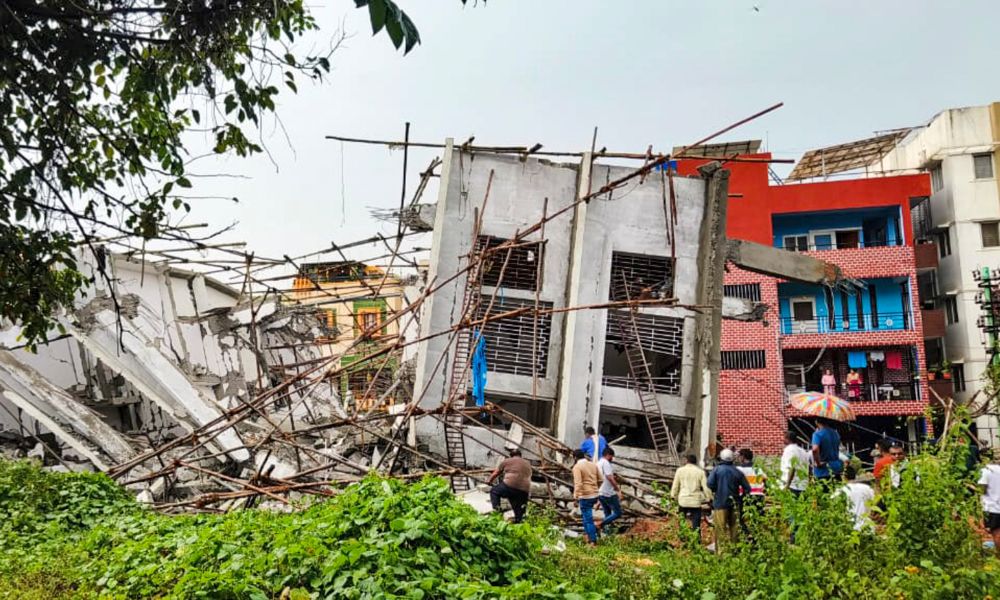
column 823, row 405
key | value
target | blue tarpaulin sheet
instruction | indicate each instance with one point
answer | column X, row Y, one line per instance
column 479, row 370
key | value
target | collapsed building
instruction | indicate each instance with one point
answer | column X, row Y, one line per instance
column 588, row 293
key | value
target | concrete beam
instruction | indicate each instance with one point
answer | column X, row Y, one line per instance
column 738, row 309
column 144, row 364
column 58, row 411
column 776, row 262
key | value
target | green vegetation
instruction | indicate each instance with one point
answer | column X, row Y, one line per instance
column 98, row 99
column 79, row 536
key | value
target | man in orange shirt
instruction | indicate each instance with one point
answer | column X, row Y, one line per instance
column 884, row 459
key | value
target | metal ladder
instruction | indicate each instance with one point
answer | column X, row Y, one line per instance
column 664, row 442
column 458, row 385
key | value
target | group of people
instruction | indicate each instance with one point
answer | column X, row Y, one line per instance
column 735, row 487
column 594, row 482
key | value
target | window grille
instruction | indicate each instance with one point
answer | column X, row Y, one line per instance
column 523, row 266
column 743, row 359
column 508, row 340
column 746, row 291
column 643, row 274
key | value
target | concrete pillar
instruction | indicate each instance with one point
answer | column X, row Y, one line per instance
column 703, row 399
column 577, row 398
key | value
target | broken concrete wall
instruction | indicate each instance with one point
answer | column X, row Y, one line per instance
column 177, row 351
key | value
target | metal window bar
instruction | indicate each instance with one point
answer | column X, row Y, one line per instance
column 633, row 275
column 521, row 272
column 743, row 359
column 745, row 291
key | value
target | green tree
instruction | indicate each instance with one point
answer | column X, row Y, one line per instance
column 95, row 99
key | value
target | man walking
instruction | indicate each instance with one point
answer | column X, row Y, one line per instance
column 515, row 485
column 609, row 493
column 794, row 465
column 586, row 483
column 859, row 500
column 587, row 445
column 989, row 482
column 729, row 486
column 827, row 465
column 690, row 490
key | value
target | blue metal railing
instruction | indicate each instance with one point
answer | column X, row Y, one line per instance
column 882, row 321
column 843, row 246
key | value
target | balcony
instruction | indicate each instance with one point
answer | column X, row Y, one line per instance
column 933, row 322
column 875, row 392
column 868, row 322
column 925, row 255
column 888, row 373
column 942, row 387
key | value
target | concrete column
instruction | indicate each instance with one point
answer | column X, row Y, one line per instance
column 427, row 358
column 703, row 399
column 576, row 399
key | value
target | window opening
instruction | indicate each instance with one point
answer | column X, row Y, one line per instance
column 990, row 233
column 951, row 309
column 743, row 359
column 982, row 165
column 522, row 268
column 944, row 242
column 645, row 275
column 509, row 340
column 745, row 291
column 662, row 342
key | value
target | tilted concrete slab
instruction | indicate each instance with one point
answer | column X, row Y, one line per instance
column 58, row 411
column 143, row 363
column 776, row 262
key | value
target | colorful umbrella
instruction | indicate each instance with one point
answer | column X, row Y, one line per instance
column 823, row 405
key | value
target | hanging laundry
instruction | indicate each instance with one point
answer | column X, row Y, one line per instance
column 894, row 360
column 876, row 356
column 479, row 369
column 857, row 359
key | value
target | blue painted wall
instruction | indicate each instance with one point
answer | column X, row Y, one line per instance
column 888, row 298
column 803, row 223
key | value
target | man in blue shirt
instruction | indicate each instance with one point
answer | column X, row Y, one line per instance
column 729, row 485
column 826, row 452
column 588, row 444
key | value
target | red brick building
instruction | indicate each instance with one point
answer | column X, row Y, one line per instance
column 862, row 225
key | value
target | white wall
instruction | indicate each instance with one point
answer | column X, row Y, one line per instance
column 948, row 141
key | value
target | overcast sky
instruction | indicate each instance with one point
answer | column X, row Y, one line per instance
column 516, row 72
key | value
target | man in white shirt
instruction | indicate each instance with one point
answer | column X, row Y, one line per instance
column 608, row 493
column 794, row 466
column 859, row 499
column 989, row 481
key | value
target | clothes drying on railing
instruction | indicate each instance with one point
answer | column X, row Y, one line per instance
column 894, row 360
column 857, row 359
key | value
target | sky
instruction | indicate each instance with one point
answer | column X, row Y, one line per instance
column 517, row 72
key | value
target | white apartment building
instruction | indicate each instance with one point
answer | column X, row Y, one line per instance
column 960, row 147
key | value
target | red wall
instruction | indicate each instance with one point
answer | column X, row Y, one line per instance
column 752, row 407
column 753, row 201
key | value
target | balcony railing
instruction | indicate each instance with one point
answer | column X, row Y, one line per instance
column 883, row 321
column 812, row 246
column 870, row 392
column 933, row 322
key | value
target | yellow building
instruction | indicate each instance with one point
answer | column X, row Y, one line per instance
column 352, row 298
